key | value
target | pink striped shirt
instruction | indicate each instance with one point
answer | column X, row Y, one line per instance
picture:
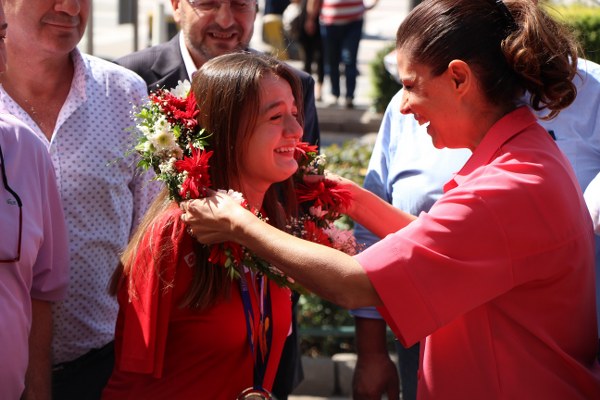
column 340, row 12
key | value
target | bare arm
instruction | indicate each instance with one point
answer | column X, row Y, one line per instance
column 327, row 272
column 313, row 8
column 372, row 212
column 37, row 380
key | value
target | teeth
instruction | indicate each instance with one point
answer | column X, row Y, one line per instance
column 426, row 124
column 222, row 35
column 285, row 149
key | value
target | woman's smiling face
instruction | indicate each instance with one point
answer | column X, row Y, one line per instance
column 269, row 153
column 432, row 101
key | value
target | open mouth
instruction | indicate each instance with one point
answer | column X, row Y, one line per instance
column 285, row 150
column 223, row 35
column 421, row 121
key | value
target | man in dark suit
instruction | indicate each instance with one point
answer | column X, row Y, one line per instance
column 210, row 28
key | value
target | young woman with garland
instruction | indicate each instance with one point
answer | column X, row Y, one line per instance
column 185, row 328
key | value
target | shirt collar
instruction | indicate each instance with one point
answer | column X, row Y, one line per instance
column 501, row 132
column 190, row 66
column 77, row 94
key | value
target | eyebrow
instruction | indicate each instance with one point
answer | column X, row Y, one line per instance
column 275, row 104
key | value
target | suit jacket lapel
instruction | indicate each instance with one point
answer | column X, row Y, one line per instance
column 169, row 67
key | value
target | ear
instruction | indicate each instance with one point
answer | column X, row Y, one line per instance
column 176, row 11
column 461, row 75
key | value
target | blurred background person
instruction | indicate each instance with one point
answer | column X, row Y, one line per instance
column 340, row 23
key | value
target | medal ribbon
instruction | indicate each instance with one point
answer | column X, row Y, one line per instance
column 261, row 340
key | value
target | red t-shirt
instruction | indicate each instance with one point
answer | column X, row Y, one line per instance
column 497, row 279
column 164, row 351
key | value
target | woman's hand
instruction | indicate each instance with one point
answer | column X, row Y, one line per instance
column 213, row 219
column 342, row 183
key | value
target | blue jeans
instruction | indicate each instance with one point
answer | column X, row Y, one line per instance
column 340, row 43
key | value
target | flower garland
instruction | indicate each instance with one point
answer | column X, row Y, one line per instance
column 173, row 144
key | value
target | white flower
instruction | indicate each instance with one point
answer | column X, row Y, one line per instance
column 321, row 160
column 168, row 167
column 237, row 196
column 145, row 130
column 182, row 89
column 162, row 137
column 144, row 147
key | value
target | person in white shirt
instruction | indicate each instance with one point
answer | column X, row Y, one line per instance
column 592, row 199
column 80, row 107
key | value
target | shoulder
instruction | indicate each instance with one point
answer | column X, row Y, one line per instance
column 168, row 223
column 303, row 76
column 14, row 131
column 143, row 58
column 104, row 70
column 306, row 80
column 160, row 65
column 588, row 78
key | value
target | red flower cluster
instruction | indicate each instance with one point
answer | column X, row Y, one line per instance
column 313, row 233
column 198, row 178
column 223, row 253
column 302, row 148
column 178, row 111
column 325, row 194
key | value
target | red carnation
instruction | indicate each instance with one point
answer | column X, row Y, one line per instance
column 313, row 233
column 302, row 148
column 198, row 179
column 186, row 115
column 325, row 194
column 220, row 253
column 178, row 111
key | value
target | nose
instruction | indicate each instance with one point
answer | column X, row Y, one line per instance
column 70, row 7
column 224, row 15
column 293, row 128
column 404, row 107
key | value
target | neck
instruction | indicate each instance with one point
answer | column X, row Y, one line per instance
column 254, row 197
column 36, row 70
column 39, row 86
column 488, row 120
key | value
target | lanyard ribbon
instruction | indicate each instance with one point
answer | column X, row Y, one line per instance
column 261, row 341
